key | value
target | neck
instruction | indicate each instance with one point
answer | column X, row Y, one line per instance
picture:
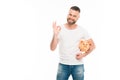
column 70, row 26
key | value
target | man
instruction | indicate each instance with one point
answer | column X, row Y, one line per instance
column 68, row 36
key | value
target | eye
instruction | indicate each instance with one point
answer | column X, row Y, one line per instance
column 70, row 14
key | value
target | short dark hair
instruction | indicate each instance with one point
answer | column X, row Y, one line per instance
column 76, row 8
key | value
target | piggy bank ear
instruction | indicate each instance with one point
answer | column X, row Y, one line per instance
column 81, row 41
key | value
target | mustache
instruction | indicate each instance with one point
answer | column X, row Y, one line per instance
column 70, row 19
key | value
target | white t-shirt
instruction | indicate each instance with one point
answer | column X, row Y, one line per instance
column 68, row 44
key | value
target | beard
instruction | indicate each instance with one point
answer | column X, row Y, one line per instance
column 70, row 21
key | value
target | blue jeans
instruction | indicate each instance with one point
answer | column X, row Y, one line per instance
column 64, row 71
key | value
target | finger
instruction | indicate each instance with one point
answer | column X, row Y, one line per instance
column 77, row 55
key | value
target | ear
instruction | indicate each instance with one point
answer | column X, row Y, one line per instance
column 81, row 41
column 78, row 16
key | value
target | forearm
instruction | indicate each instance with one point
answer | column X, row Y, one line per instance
column 54, row 42
column 88, row 52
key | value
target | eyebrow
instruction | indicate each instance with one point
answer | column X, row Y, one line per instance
column 73, row 15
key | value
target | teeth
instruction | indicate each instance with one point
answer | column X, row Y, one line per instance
column 71, row 20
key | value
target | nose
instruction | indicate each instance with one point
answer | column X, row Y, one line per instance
column 71, row 17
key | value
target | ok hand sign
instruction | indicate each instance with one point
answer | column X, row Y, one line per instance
column 56, row 29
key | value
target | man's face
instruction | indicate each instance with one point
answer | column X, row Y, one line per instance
column 72, row 17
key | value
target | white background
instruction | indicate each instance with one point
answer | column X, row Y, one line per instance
column 26, row 32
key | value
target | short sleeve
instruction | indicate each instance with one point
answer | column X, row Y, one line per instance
column 86, row 35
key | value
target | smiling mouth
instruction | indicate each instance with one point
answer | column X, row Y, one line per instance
column 70, row 20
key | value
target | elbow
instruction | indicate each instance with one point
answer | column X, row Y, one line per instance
column 94, row 47
column 52, row 49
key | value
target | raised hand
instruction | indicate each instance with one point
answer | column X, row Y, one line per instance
column 54, row 42
column 56, row 29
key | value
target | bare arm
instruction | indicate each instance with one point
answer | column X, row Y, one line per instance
column 55, row 40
